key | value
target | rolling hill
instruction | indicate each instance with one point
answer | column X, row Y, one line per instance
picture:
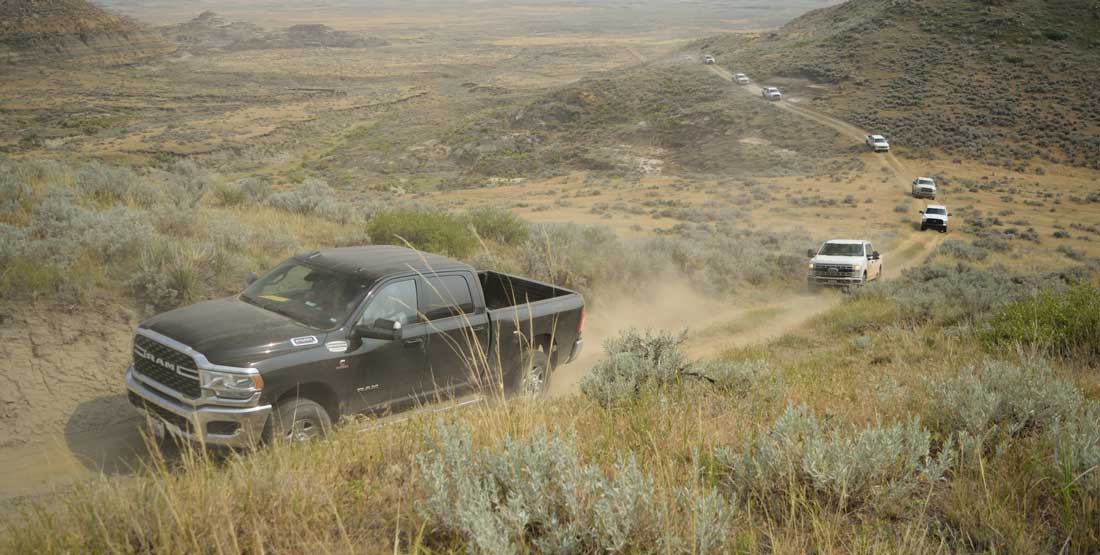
column 1012, row 82
column 39, row 30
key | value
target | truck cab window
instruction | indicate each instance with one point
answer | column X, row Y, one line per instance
column 396, row 301
column 446, row 296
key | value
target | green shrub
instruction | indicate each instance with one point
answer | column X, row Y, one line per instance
column 1002, row 400
column 1055, row 35
column 500, row 225
column 437, row 232
column 879, row 467
column 169, row 275
column 1063, row 323
column 250, row 190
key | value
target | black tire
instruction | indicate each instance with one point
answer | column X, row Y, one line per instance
column 943, row 230
column 298, row 420
column 922, row 228
column 533, row 378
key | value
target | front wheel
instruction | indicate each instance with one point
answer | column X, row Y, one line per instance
column 943, row 230
column 298, row 420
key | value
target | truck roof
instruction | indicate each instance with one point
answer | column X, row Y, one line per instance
column 847, row 241
column 936, row 206
column 378, row 261
column 877, row 137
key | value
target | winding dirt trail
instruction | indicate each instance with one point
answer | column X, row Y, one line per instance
column 720, row 328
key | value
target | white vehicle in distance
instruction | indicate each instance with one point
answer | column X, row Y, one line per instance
column 771, row 93
column 740, row 78
column 708, row 59
column 878, row 143
column 934, row 216
column 924, row 187
column 844, row 262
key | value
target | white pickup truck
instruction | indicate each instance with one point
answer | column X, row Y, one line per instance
column 843, row 262
column 924, row 187
column 934, row 216
column 771, row 93
column 740, row 78
column 708, row 59
column 878, row 143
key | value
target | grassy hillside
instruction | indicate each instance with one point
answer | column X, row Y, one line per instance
column 911, row 419
column 1009, row 82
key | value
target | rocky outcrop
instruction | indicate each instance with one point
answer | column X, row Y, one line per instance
column 69, row 30
column 212, row 32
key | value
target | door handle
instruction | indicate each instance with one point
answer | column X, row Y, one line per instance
column 414, row 342
column 479, row 328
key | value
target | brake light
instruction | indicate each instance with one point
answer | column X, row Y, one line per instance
column 580, row 324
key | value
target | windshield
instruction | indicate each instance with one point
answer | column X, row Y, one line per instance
column 313, row 296
column 842, row 249
column 936, row 211
column 880, row 140
column 924, row 181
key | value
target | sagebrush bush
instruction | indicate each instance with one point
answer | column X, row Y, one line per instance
column 982, row 407
column 1061, row 324
column 315, row 198
column 635, row 360
column 953, row 248
column 437, row 232
column 741, row 376
column 537, row 495
column 1076, row 441
column 962, row 293
column 879, row 467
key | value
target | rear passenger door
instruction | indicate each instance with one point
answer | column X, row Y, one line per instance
column 458, row 330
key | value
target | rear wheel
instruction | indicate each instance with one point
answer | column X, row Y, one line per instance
column 298, row 420
column 534, row 376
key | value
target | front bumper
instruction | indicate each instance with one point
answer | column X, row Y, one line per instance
column 923, row 194
column 213, row 425
column 930, row 224
column 839, row 281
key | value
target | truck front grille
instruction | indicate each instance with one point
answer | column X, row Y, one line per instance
column 166, row 366
column 834, row 270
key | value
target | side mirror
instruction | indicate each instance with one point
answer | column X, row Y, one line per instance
column 809, row 253
column 875, row 255
column 250, row 278
column 922, row 211
column 387, row 330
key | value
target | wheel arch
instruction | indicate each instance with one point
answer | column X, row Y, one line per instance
column 318, row 392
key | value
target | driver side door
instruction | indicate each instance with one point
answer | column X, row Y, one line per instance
column 874, row 267
column 387, row 373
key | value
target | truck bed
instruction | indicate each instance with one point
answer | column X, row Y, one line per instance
column 534, row 312
column 503, row 290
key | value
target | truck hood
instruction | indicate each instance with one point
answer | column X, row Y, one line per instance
column 234, row 333
column 936, row 217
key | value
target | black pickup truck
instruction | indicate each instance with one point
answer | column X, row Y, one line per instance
column 344, row 331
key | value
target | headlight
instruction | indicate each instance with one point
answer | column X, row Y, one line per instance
column 811, row 265
column 231, row 386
